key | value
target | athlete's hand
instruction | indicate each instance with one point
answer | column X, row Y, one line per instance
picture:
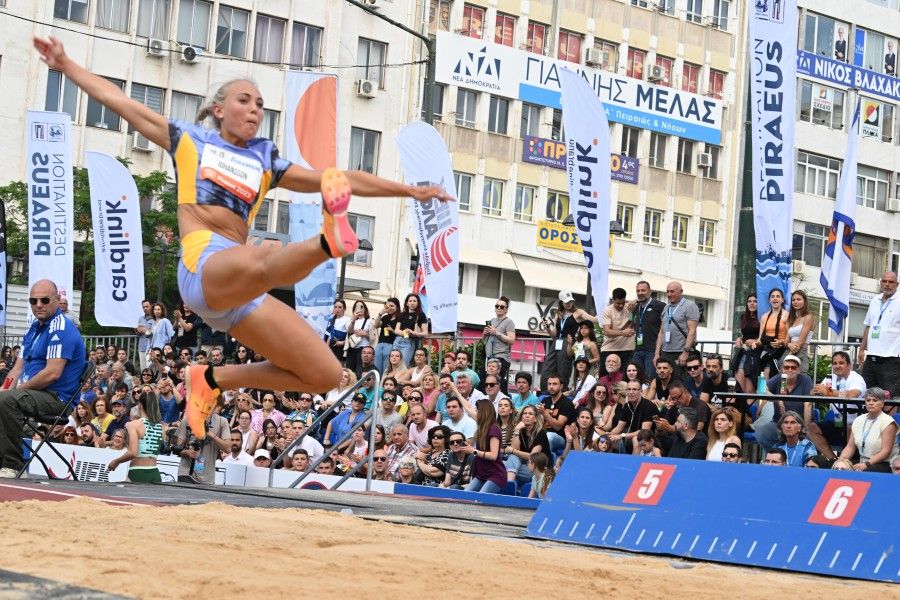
column 427, row 192
column 51, row 51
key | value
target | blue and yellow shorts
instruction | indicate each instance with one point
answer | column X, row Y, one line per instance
column 196, row 247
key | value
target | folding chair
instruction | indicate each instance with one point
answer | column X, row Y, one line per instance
column 33, row 423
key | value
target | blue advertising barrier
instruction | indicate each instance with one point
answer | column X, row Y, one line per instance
column 818, row 521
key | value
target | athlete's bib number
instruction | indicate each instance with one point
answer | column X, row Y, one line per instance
column 238, row 174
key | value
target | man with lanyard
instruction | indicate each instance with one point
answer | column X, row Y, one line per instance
column 46, row 375
column 648, row 320
column 879, row 350
column 144, row 331
column 679, row 328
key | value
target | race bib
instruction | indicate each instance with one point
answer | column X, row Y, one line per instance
column 238, row 174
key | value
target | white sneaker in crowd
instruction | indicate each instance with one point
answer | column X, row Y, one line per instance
column 7, row 473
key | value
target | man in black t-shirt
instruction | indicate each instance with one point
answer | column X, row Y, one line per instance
column 689, row 443
column 679, row 397
column 716, row 384
column 637, row 413
column 558, row 411
column 187, row 325
column 647, row 317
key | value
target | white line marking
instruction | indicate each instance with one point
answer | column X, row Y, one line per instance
column 856, row 562
column 640, row 537
column 627, row 527
column 52, row 493
column 606, row 533
column 590, row 531
column 791, row 555
column 675, row 543
column 713, row 545
column 771, row 552
column 880, row 562
column 558, row 525
column 733, row 544
column 816, row 551
column 658, row 537
column 834, row 560
column 752, row 548
column 574, row 527
column 541, row 528
column 696, row 539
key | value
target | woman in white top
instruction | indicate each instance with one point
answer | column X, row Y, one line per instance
column 348, row 380
column 359, row 334
column 582, row 381
column 336, row 333
column 722, row 430
column 419, row 368
column 873, row 436
column 800, row 323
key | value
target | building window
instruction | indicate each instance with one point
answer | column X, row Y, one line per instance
column 826, row 37
column 874, row 58
column 895, row 256
column 680, row 225
column 821, row 105
column 498, row 115
column 809, row 243
column 872, row 187
column 71, row 10
column 524, row 205
column 716, row 84
column 113, row 14
column 439, row 16
column 437, row 101
column 609, row 53
column 652, row 225
column 305, row 43
column 193, row 23
column 62, row 94
column 473, row 21
column 283, row 217
column 185, row 106
column 153, row 19
column 371, row 56
column 268, row 127
column 557, row 206
column 694, row 10
column 817, row 175
column 100, row 116
column 569, row 47
column 505, row 30
column 712, row 172
column 721, row 8
column 641, row 3
column 231, row 31
column 492, row 282
column 537, row 37
column 531, row 120
column 658, row 150
column 463, row 183
column 635, row 66
column 877, row 120
column 364, row 227
column 268, row 43
column 665, row 63
column 870, row 255
column 261, row 221
column 630, row 137
column 364, row 149
column 706, row 236
column 625, row 217
column 685, row 156
column 557, row 132
column 466, row 102
column 690, row 78
column 492, row 197
column 151, row 97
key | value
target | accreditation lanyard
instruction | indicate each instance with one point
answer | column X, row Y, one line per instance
column 562, row 326
column 671, row 312
column 884, row 307
column 865, row 434
column 640, row 312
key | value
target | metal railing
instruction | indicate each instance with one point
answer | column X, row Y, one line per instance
column 128, row 342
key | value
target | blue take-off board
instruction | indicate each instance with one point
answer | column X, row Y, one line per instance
column 817, row 521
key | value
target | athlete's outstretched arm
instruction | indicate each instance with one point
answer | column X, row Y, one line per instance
column 298, row 179
column 153, row 125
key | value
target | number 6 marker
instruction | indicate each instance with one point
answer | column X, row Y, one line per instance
column 839, row 502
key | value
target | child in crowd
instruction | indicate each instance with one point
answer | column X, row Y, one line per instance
column 543, row 475
column 646, row 444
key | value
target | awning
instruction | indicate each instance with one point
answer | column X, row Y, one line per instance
column 551, row 274
column 486, row 258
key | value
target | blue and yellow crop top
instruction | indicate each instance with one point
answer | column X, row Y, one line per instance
column 212, row 172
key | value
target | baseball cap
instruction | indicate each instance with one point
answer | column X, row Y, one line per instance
column 566, row 296
column 261, row 453
column 791, row 357
column 116, row 401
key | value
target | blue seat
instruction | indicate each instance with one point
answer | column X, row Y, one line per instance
column 509, row 489
column 816, row 414
column 526, row 489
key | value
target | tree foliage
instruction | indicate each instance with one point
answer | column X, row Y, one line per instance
column 158, row 213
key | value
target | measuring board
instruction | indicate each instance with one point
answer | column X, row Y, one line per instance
column 812, row 520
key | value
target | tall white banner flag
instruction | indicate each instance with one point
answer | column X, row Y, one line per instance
column 118, row 257
column 50, row 219
column 425, row 161
column 835, row 277
column 773, row 99
column 587, row 164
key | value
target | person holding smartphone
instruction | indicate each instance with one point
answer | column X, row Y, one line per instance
column 499, row 336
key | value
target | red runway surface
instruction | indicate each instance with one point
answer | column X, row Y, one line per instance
column 12, row 492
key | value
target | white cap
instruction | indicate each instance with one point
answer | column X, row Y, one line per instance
column 566, row 296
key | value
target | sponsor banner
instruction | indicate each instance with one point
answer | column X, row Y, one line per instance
column 553, row 234
column 870, row 121
column 310, row 140
column 859, row 47
column 50, row 212
column 587, row 143
column 435, row 224
column 118, row 255
column 2, row 264
column 822, row 98
column 835, row 276
column 512, row 73
column 551, row 153
column 773, row 99
column 848, row 76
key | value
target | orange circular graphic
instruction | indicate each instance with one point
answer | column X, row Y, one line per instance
column 315, row 124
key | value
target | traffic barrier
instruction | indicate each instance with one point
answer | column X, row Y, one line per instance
column 811, row 520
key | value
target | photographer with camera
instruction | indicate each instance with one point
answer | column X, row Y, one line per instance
column 198, row 457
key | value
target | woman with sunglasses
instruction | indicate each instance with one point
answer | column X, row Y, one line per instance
column 602, row 404
column 267, row 411
column 499, row 336
column 412, row 326
column 459, row 465
column 145, row 439
column 70, row 436
column 434, row 460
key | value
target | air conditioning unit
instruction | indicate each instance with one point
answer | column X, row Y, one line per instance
column 596, row 57
column 893, row 205
column 189, row 54
column 156, row 48
column 141, row 143
column 657, row 73
column 797, row 267
column 366, row 88
column 704, row 159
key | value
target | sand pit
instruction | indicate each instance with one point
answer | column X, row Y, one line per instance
column 217, row 550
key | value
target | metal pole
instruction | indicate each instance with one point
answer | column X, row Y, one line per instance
column 745, row 257
column 162, row 269
column 340, row 289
